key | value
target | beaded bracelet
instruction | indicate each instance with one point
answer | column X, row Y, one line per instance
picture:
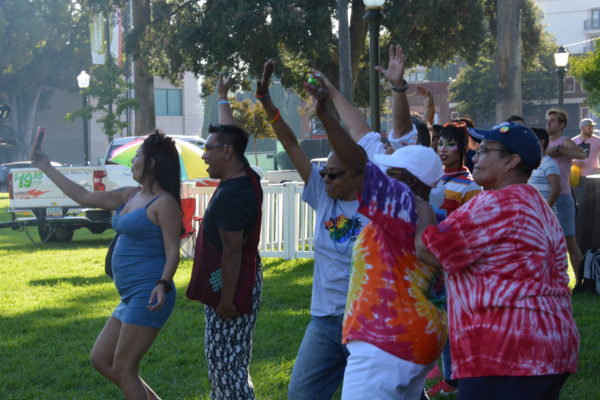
column 401, row 88
column 222, row 102
column 275, row 118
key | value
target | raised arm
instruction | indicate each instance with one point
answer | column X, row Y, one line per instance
column 107, row 200
column 394, row 74
column 282, row 130
column 429, row 106
column 350, row 115
column 223, row 108
column 350, row 154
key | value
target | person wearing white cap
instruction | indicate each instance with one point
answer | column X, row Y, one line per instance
column 393, row 330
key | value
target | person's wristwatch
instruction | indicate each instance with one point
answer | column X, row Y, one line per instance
column 166, row 283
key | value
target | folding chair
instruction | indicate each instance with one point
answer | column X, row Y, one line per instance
column 188, row 238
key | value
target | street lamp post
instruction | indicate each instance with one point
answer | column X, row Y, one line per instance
column 374, row 17
column 561, row 59
column 83, row 81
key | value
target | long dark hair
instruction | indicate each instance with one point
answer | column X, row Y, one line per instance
column 166, row 170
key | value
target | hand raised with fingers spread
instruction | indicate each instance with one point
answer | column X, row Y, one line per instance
column 319, row 92
column 394, row 74
column 262, row 85
column 223, row 85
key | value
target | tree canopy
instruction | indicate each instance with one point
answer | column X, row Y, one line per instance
column 586, row 69
column 43, row 47
column 205, row 37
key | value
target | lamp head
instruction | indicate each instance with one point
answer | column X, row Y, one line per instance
column 83, row 80
column 373, row 3
column 561, row 57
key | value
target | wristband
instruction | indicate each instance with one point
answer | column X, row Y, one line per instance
column 266, row 96
column 166, row 283
column 402, row 88
column 275, row 118
column 222, row 102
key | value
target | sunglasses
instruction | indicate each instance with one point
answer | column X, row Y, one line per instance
column 331, row 175
column 456, row 124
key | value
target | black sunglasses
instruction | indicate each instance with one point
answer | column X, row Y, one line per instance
column 331, row 175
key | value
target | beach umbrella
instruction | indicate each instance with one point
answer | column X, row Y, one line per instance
column 190, row 157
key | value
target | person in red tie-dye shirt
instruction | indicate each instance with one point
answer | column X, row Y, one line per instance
column 512, row 333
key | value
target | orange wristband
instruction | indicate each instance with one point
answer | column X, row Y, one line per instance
column 275, row 118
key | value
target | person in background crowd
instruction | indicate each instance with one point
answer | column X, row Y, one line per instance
column 144, row 260
column 546, row 178
column 319, row 367
column 563, row 151
column 435, row 135
column 517, row 119
column 472, row 147
column 227, row 274
column 590, row 144
column 459, row 187
column 393, row 331
column 512, row 332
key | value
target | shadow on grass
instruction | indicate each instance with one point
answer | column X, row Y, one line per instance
column 45, row 352
column 73, row 280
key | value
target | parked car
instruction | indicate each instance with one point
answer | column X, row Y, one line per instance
column 118, row 142
column 5, row 169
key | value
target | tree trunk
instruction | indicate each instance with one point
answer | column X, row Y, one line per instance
column 344, row 59
column 358, row 35
column 508, row 59
column 23, row 110
column 145, row 119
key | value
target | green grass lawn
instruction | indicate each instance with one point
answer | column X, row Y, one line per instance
column 54, row 299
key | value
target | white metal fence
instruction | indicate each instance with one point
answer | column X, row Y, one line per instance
column 287, row 222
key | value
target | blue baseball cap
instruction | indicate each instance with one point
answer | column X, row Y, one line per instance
column 517, row 138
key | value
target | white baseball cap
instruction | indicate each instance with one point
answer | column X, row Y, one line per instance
column 423, row 162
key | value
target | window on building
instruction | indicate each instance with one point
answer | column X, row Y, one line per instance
column 596, row 18
column 167, row 101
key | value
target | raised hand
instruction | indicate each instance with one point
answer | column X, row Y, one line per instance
column 262, row 85
column 394, row 73
column 318, row 92
column 39, row 159
column 423, row 92
column 223, row 85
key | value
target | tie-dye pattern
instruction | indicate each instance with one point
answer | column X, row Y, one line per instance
column 509, row 306
column 387, row 300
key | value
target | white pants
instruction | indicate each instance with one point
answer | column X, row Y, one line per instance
column 372, row 373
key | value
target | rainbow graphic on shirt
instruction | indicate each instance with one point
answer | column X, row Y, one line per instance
column 342, row 229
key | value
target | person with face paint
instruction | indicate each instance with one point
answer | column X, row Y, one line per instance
column 458, row 188
column 457, row 181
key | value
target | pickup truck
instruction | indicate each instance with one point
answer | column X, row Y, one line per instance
column 35, row 201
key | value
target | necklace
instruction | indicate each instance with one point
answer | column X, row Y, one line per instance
column 350, row 231
column 234, row 174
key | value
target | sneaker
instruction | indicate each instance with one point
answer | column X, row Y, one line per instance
column 441, row 388
column 434, row 373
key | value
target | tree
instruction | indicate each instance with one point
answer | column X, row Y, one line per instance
column 108, row 89
column 204, row 37
column 251, row 116
column 586, row 69
column 475, row 88
column 44, row 44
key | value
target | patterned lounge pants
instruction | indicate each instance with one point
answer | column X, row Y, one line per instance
column 228, row 347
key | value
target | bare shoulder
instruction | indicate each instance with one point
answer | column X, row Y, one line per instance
column 167, row 201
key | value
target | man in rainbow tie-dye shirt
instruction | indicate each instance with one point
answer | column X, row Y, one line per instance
column 392, row 328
